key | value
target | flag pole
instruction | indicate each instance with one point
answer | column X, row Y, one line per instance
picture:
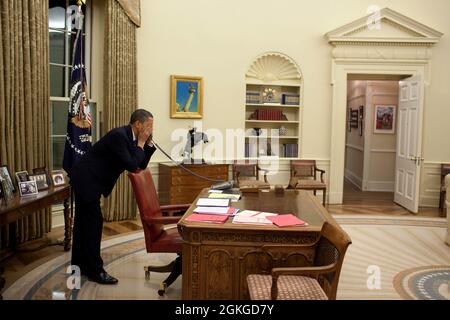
column 72, row 192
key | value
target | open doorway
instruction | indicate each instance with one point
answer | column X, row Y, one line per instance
column 371, row 139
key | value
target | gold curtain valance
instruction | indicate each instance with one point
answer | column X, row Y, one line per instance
column 133, row 10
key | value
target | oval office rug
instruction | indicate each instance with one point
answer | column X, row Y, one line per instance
column 390, row 258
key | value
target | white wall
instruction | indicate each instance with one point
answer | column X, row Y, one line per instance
column 354, row 150
column 219, row 39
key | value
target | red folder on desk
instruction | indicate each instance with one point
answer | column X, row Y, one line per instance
column 209, row 218
column 287, row 220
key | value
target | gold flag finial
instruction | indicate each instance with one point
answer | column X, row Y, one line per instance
column 81, row 2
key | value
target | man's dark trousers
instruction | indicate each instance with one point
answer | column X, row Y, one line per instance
column 87, row 236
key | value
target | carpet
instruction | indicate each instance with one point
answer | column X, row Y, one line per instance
column 389, row 259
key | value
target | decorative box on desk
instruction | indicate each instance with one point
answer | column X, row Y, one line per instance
column 177, row 186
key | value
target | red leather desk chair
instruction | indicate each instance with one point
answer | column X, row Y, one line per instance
column 157, row 239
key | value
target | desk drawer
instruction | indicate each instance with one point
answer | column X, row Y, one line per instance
column 218, row 170
column 196, row 182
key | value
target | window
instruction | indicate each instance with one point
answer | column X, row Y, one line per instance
column 62, row 38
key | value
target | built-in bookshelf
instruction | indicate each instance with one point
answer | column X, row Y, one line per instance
column 273, row 108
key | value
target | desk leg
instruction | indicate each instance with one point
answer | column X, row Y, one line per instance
column 67, row 226
column 2, row 282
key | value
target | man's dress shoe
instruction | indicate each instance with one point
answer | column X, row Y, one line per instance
column 103, row 278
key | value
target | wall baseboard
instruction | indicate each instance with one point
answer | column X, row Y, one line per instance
column 379, row 186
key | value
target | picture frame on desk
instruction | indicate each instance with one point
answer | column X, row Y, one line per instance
column 28, row 188
column 186, row 101
column 21, row 176
column 42, row 171
column 5, row 192
column 41, row 181
column 58, row 178
column 4, row 173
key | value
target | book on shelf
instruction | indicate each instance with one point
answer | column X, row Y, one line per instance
column 290, row 150
column 253, row 97
column 268, row 115
column 290, row 99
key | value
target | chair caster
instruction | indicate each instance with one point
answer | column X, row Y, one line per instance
column 162, row 289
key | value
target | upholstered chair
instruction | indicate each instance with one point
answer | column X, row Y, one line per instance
column 247, row 175
column 304, row 177
column 157, row 237
column 318, row 282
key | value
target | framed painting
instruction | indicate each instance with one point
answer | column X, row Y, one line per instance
column 186, row 100
column 385, row 119
column 354, row 120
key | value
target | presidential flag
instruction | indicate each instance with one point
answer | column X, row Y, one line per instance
column 79, row 126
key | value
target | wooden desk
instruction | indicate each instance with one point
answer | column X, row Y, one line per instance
column 217, row 258
column 18, row 208
column 176, row 186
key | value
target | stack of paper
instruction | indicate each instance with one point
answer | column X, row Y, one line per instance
column 209, row 218
column 205, row 202
column 287, row 220
column 253, row 217
column 216, row 210
column 224, row 196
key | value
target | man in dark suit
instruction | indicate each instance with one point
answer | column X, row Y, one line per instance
column 126, row 148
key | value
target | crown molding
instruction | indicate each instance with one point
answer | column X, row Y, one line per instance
column 414, row 32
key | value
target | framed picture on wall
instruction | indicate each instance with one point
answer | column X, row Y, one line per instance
column 354, row 120
column 186, row 100
column 361, row 121
column 385, row 117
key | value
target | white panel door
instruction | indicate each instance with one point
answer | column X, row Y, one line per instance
column 409, row 143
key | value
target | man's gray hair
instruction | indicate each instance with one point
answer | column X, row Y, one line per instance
column 140, row 115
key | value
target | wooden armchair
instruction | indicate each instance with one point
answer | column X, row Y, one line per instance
column 304, row 176
column 158, row 238
column 318, row 282
column 445, row 170
column 247, row 175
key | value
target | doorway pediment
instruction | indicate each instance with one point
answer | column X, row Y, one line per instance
column 385, row 27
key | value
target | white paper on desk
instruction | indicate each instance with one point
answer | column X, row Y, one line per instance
column 253, row 217
column 215, row 191
column 206, row 202
column 212, row 210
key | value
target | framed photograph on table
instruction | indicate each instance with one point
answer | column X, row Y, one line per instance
column 58, row 178
column 4, row 173
column 28, row 188
column 42, row 171
column 385, row 117
column 186, row 100
column 41, row 181
column 21, row 176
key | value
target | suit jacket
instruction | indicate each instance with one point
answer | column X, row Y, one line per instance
column 98, row 170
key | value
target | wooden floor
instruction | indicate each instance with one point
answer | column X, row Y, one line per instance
column 377, row 203
column 355, row 202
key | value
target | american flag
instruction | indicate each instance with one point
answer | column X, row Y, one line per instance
column 79, row 124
